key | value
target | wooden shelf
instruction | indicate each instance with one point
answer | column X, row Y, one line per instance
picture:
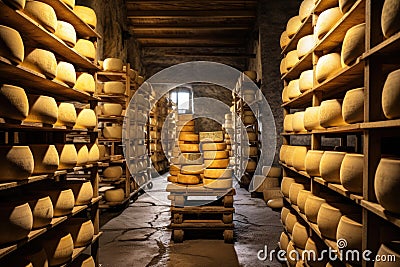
column 110, row 118
column 111, row 76
column 381, row 212
column 347, row 129
column 304, row 64
column 36, row 233
column 65, row 13
column 305, row 29
column 79, row 251
column 34, row 35
column 355, row 16
column 36, row 83
column 35, row 127
column 381, row 124
column 348, row 78
column 387, row 47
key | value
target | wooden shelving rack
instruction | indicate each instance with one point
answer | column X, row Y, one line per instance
column 369, row 71
column 12, row 133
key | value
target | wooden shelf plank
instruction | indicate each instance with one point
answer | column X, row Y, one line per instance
column 304, row 64
column 352, row 128
column 36, row 83
column 27, row 127
column 381, row 124
column 356, row 15
column 36, row 233
column 34, row 35
column 381, row 212
column 65, row 13
column 305, row 29
column 387, row 47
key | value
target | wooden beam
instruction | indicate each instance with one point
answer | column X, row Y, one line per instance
column 211, row 55
column 177, row 14
column 190, row 5
column 190, row 22
column 194, row 42
column 218, row 32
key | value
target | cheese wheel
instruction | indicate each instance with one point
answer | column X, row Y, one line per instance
column 328, row 66
column 293, row 26
column 81, row 230
column 261, row 182
column 302, row 198
column 103, row 151
column 391, row 96
column 83, row 154
column 42, row 109
column 284, row 213
column 305, row 45
column 16, row 222
column 172, row 179
column 291, row 59
column 187, row 148
column 387, row 183
column 213, row 146
column 113, row 64
column 86, row 14
column 185, row 123
column 330, row 113
column 288, row 123
column 312, row 162
column 215, row 154
column 285, row 95
column 351, row 172
column 389, row 248
column 390, row 19
column 18, row 4
column 298, row 122
column 218, row 183
column 283, row 68
column 300, row 235
column 353, row 44
column 353, row 106
column 85, row 82
column 188, row 179
column 85, row 48
column 306, row 80
column 252, row 75
column 42, row 13
column 283, row 241
column 249, row 98
column 114, row 88
column 59, row 247
column 68, row 156
column 316, row 246
column 17, row 163
column 312, row 119
column 282, row 153
column 113, row 172
column 114, row 195
column 13, row 102
column 86, row 119
column 70, row 3
column 192, row 169
column 290, row 221
column 66, row 32
column 329, row 216
column 292, row 255
column 83, row 260
column 188, row 137
column 284, row 40
column 294, row 89
column 294, row 191
column 11, row 44
column 190, row 159
column 218, row 173
column 62, row 198
column 216, row 164
column 37, row 256
column 289, row 155
column 111, row 109
column 350, row 229
column 82, row 190
column 312, row 207
column 45, row 158
column 65, row 73
column 299, row 156
column 217, row 136
column 66, row 115
column 94, row 153
column 249, row 120
column 306, row 9
column 251, row 136
column 41, row 61
column 326, row 20
column 42, row 210
column 251, row 166
column 251, row 151
column 329, row 167
column 275, row 172
column 271, row 193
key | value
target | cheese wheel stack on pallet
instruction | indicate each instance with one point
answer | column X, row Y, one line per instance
column 217, row 173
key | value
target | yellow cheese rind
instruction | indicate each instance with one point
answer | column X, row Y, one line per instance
column 42, row 109
column 215, row 154
column 188, row 137
column 66, row 32
column 353, row 44
column 291, row 59
column 82, row 190
column 282, row 67
column 11, row 44
column 65, row 73
column 114, row 195
column 353, row 106
column 46, row 159
column 42, row 13
column 217, row 136
column 326, row 20
column 66, row 115
column 83, row 260
column 59, row 247
column 68, row 156
column 192, row 169
column 350, row 229
column 306, row 81
column 18, row 4
column 387, row 183
column 330, row 166
column 16, row 222
column 83, row 154
column 85, row 82
column 17, row 163
column 330, row 113
column 113, row 132
column 114, row 87
column 298, row 122
column 81, row 230
column 113, row 172
column 251, row 166
column 87, row 15
column 113, row 64
column 216, row 164
column 189, row 148
column 85, row 48
column 86, row 119
column 63, row 200
column 391, row 95
column 283, row 241
column 390, row 19
column 285, row 185
column 293, row 26
column 329, row 216
column 294, row 191
column 13, row 102
column 302, row 198
column 299, row 156
column 288, row 123
column 290, row 221
column 300, row 235
column 306, row 9
column 312, row 207
column 218, row 173
column 42, row 211
column 188, row 179
column 172, row 179
column 94, row 153
column 275, row 172
column 328, row 66
column 41, row 61
column 284, row 40
column 305, row 45
column 218, row 183
column 312, row 162
column 312, row 119
column 70, row 3
column 294, row 89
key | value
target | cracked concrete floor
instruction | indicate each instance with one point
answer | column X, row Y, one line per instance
column 139, row 236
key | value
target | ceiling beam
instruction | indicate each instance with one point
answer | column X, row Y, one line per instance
column 194, row 42
column 190, row 22
column 192, row 5
column 218, row 32
column 178, row 14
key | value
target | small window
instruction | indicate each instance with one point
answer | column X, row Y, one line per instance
column 183, row 98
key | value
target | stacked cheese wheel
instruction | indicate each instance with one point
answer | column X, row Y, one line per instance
column 217, row 173
column 269, row 186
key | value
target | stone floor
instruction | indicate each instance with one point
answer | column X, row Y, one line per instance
column 139, row 236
